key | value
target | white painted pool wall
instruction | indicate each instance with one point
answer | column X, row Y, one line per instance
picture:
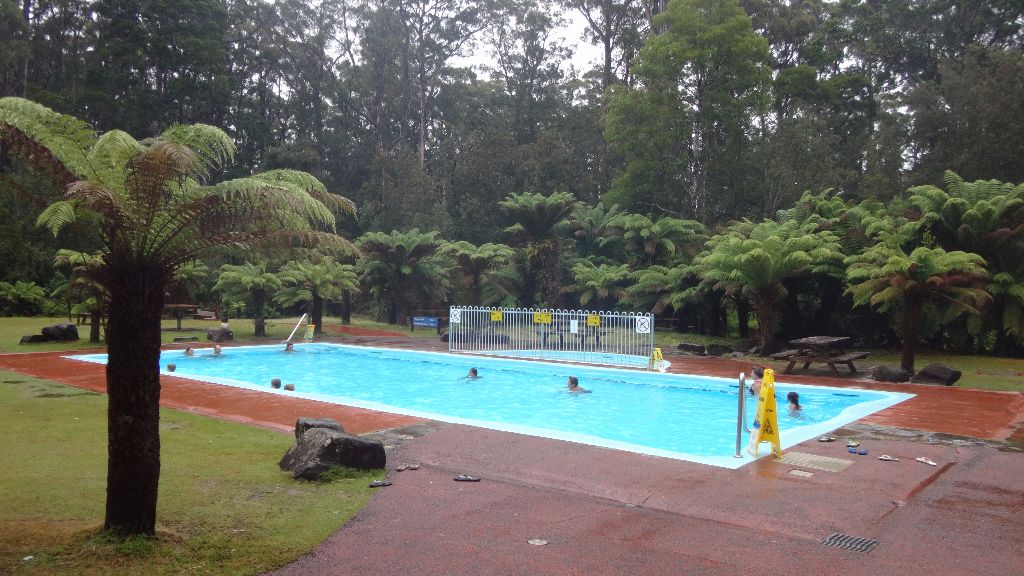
column 621, row 339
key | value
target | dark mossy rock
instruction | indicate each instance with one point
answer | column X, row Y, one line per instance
column 34, row 339
column 61, row 332
column 320, row 449
column 686, row 347
column 884, row 373
column 718, row 349
column 937, row 374
column 220, row 334
column 303, row 424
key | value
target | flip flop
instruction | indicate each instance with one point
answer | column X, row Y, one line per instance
column 379, row 483
column 414, row 466
column 862, row 452
column 924, row 460
column 826, row 439
column 887, row 458
column 851, row 450
column 852, row 444
column 466, row 478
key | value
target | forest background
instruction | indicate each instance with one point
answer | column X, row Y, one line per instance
column 710, row 111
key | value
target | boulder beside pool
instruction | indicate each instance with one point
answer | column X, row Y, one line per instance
column 937, row 374
column 320, row 449
column 303, row 424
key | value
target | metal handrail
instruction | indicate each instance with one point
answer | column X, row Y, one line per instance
column 741, row 420
column 297, row 324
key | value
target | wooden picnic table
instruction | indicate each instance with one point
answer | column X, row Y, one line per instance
column 820, row 350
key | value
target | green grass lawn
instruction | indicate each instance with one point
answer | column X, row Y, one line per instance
column 224, row 506
column 13, row 328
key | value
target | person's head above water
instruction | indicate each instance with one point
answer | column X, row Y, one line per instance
column 757, row 371
column 472, row 373
column 573, row 385
column 794, row 400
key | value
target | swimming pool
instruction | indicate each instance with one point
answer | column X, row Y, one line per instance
column 676, row 416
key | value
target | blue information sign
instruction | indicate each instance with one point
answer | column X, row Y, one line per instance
column 424, row 321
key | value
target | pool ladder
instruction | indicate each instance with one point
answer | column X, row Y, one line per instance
column 741, row 420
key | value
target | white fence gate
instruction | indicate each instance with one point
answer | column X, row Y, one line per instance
column 611, row 338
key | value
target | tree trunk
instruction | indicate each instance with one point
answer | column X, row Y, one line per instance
column 95, row 321
column 133, row 390
column 346, row 307
column 743, row 316
column 258, row 320
column 316, row 313
column 911, row 320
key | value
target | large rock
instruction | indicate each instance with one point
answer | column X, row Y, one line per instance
column 884, row 373
column 697, row 349
column 718, row 350
column 303, row 424
column 61, row 332
column 320, row 449
column 220, row 334
column 33, row 339
column 937, row 374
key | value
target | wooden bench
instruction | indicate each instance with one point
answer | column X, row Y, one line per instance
column 846, row 359
column 784, row 355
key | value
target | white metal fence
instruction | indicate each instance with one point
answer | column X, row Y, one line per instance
column 612, row 338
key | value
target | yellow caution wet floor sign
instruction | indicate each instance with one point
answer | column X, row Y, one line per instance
column 309, row 332
column 766, row 423
column 657, row 362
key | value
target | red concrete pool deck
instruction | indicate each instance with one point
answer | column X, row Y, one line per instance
column 603, row 511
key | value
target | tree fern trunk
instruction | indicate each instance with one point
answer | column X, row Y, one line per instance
column 317, row 313
column 346, row 307
column 258, row 320
column 133, row 389
column 743, row 316
column 95, row 321
column 911, row 320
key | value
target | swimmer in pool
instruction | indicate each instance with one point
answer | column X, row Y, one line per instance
column 574, row 386
column 794, row 401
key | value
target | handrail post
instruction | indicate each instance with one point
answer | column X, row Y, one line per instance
column 740, row 424
column 297, row 324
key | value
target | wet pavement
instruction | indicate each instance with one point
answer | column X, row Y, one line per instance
column 592, row 510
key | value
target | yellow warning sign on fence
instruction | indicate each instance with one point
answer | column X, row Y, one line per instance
column 495, row 315
column 766, row 423
column 593, row 320
column 542, row 317
column 309, row 332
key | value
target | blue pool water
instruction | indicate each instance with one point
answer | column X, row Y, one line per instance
column 677, row 416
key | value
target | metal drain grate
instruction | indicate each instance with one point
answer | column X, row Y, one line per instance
column 837, row 540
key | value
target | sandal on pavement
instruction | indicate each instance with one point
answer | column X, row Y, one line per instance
column 466, row 478
column 887, row 458
column 924, row 460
